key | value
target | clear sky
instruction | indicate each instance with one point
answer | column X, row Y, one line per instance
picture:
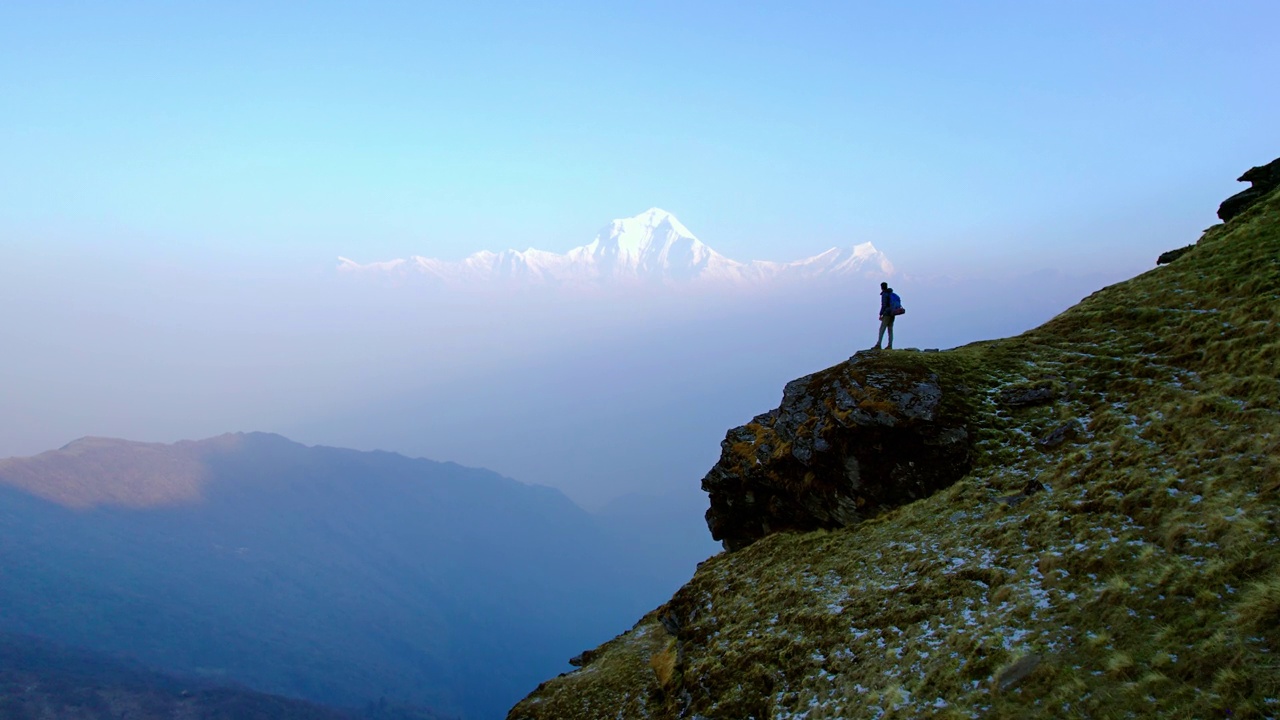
column 1018, row 134
column 177, row 180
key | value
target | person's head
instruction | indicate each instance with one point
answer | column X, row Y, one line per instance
column 884, row 287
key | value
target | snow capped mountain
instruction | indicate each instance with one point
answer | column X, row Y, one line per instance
column 653, row 244
column 652, row 247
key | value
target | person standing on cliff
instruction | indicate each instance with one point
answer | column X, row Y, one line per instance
column 888, row 301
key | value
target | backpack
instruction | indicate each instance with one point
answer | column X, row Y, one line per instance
column 895, row 304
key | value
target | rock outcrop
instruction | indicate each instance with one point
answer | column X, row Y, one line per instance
column 1169, row 256
column 1018, row 397
column 1263, row 179
column 876, row 432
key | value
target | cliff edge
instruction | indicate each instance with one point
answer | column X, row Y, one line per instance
column 1081, row 521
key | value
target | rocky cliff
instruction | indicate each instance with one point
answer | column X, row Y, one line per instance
column 878, row 431
column 1077, row 522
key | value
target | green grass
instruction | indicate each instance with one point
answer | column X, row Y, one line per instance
column 1143, row 582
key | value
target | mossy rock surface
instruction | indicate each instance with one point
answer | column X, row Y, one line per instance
column 847, row 443
column 1132, row 570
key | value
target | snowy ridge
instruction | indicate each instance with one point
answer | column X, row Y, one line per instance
column 650, row 248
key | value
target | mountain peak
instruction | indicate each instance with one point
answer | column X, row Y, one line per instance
column 652, row 247
column 654, row 217
column 653, row 244
column 649, row 221
column 94, row 471
column 656, row 213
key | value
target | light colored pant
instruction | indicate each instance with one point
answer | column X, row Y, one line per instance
column 886, row 323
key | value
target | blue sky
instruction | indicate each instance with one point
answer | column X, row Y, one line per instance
column 177, row 180
column 1008, row 134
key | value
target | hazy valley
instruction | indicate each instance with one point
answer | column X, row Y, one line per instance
column 333, row 575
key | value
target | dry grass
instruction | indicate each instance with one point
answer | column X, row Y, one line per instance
column 663, row 663
column 1145, row 578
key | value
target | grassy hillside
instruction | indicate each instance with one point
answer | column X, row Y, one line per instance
column 1131, row 571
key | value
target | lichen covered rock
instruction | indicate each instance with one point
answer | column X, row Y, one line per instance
column 878, row 431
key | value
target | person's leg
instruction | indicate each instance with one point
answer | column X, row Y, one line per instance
column 880, row 339
column 890, row 323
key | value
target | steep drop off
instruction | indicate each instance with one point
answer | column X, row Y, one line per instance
column 1108, row 548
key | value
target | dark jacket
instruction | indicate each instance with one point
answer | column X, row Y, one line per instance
column 886, row 310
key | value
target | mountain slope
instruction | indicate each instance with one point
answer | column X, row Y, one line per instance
column 40, row 680
column 1112, row 551
column 652, row 247
column 329, row 574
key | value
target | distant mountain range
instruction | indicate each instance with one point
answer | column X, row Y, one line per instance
column 333, row 575
column 650, row 248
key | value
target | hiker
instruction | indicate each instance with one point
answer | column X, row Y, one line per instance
column 890, row 308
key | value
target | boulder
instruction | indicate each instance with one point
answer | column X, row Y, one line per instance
column 584, row 658
column 870, row 434
column 1016, row 672
column 1169, row 256
column 1024, row 397
column 1066, row 432
column 1262, row 179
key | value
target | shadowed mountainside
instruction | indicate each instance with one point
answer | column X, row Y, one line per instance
column 1110, row 551
column 334, row 575
column 39, row 680
column 42, row 680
